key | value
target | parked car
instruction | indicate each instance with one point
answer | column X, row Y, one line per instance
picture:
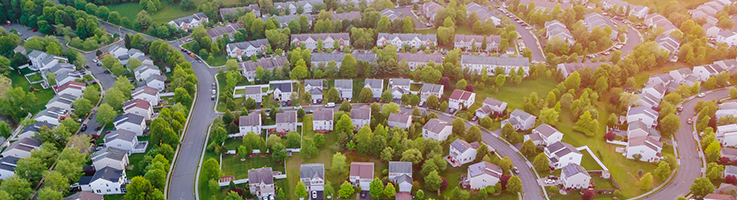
column 212, row 97
column 701, row 95
column 214, row 92
column 84, row 127
column 688, row 121
column 516, row 171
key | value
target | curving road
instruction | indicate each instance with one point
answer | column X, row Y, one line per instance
column 690, row 162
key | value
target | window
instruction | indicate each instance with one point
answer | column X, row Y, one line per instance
column 98, row 191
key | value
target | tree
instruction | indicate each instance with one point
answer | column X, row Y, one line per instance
column 140, row 188
column 549, row 116
column 387, row 96
column 541, row 162
column 348, row 66
column 366, row 95
column 714, row 171
column 114, row 98
column 338, row 163
column 389, row 190
column 105, row 114
column 670, row 124
column 433, row 181
column 92, row 94
column 473, row 134
column 500, row 79
column 5, row 131
column 573, row 81
column 586, row 124
column 377, row 187
column 701, row 187
column 301, row 190
column 514, row 185
column 233, row 195
column 646, row 182
column 461, row 84
column 82, row 106
column 211, row 169
column 528, row 148
column 432, row 102
column 346, row 190
column 588, row 195
column 412, row 155
column 506, row 164
column 459, row 127
column 17, row 102
column 49, row 194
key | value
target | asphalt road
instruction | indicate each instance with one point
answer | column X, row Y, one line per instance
column 690, row 166
column 633, row 39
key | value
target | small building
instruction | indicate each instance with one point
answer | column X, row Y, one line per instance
column 376, row 86
column 126, row 140
column 21, row 148
column 322, row 120
column 139, row 107
column 156, row 81
column 105, row 181
column 146, row 93
column 130, row 122
column 483, row 174
column 645, row 148
column 248, row 48
column 361, row 174
column 253, row 92
column 520, row 120
column 315, row 87
column 461, row 99
column 399, row 87
column 400, row 119
column 727, row 135
column 345, row 88
column 729, row 170
column 73, row 88
column 437, row 130
column 63, row 101
column 328, row 40
column 574, row 176
column 111, row 157
column 261, row 182
column 286, row 121
column 361, row 116
column 639, row 129
column 461, row 152
column 544, row 135
column 400, row 173
column 313, row 176
column 561, row 154
column 429, row 89
column 189, row 22
column 144, row 71
column 53, row 115
column 644, row 114
column 413, row 40
column 250, row 123
column 491, row 106
column 7, row 166
column 282, row 91
column 32, row 129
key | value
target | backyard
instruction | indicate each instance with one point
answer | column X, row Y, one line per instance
column 42, row 96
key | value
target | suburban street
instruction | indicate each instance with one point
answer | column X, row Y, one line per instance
column 690, row 163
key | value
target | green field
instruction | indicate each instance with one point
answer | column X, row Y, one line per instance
column 42, row 97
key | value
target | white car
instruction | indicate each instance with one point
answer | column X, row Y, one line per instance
column 95, row 60
column 701, row 95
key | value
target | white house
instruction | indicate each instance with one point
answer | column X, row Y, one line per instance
column 657, row 90
column 400, row 119
column 705, row 71
column 110, row 157
column 328, row 40
column 429, row 9
column 253, row 92
column 286, row 121
column 557, row 29
column 315, row 87
column 399, row 87
column 475, row 41
column 361, row 174
column 475, row 64
column 639, row 129
column 561, row 154
column 65, row 77
column 31, row 130
column 437, row 130
column 574, row 176
column 429, row 89
column 413, row 40
column 545, row 135
column 643, row 114
column 72, row 87
column 324, row 59
column 313, row 176
column 144, row 71
column 21, row 148
column 361, row 116
column 282, row 91
column 53, row 115
column 345, row 88
column 461, row 152
column 125, row 140
column 156, row 81
column 7, row 167
column 400, row 173
column 491, row 106
column 291, row 7
column 105, row 181
column 416, row 60
column 139, row 107
column 483, row 174
column 248, row 68
column 261, row 182
column 461, row 99
column 41, row 61
column 63, row 101
column 247, row 48
column 130, row 122
column 322, row 120
column 648, row 148
column 520, row 120
column 250, row 123
column 729, row 170
column 146, row 93
column 189, row 22
column 376, row 86
column 727, row 135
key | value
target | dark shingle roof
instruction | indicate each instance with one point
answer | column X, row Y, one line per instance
column 400, row 167
column 262, row 175
column 109, row 152
column 573, row 169
column 250, row 120
column 363, row 112
column 286, row 117
column 435, row 125
column 107, row 173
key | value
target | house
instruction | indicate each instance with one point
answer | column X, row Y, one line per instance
column 328, row 40
column 220, row 31
column 58, row 68
column 282, row 91
column 376, row 86
column 156, row 81
column 247, row 48
column 139, row 107
column 639, row 129
column 189, row 22
column 724, row 187
column 111, row 157
column 291, row 7
column 546, row 6
column 568, row 68
column 401, row 12
column 125, row 140
column 705, row 71
column 361, row 116
column 31, row 130
column 322, row 120
column 491, row 106
column 461, row 152
column 286, row 121
column 253, row 92
column 7, row 167
column 476, row 63
column 146, row 93
column 413, row 40
column 416, row 60
column 485, row 15
column 84, row 195
column 400, row 119
column 63, row 101
column 400, row 173
column 398, row 92
column 647, row 148
column 461, row 99
column 41, row 61
column 658, row 79
column 430, row 9
column 656, row 20
column 21, row 148
column 248, row 68
column 669, row 44
column 729, row 152
column 475, row 41
column 729, row 170
column 285, row 19
column 106, row 181
column 594, row 20
column 315, row 87
column 313, row 176
column 727, row 36
column 53, row 115
column 574, row 176
column 727, row 135
column 657, row 90
column 561, row 154
column 261, row 182
column 545, row 135
column 144, row 71
column 72, row 87
column 680, row 75
column 362, row 173
column 429, row 89
column 250, row 123
column 718, row 197
column 65, row 77
column 557, row 29
column 483, row 174
column 520, row 120
column 643, row 114
column 437, row 130
column 639, row 11
column 345, row 88
column 130, row 122
column 233, row 13
column 355, row 15
column 400, row 83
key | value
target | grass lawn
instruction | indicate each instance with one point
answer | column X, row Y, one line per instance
column 602, row 183
column 588, row 162
column 35, row 77
column 514, row 94
column 42, row 97
column 577, row 195
column 202, row 184
column 233, row 166
column 217, row 61
column 113, row 197
column 134, row 159
column 166, row 14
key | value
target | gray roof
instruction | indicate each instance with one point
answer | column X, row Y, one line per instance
column 53, row 112
column 253, row 90
column 420, row 57
column 364, row 170
column 284, row 87
column 120, row 134
column 730, row 169
column 500, row 61
column 338, row 57
column 313, row 170
column 265, row 63
column 323, row 115
column 561, row 149
column 8, row 163
column 26, row 144
column 484, row 167
column 494, row 102
column 189, row 18
column 244, row 45
column 400, row 167
column 408, row 36
column 349, row 15
column 435, row 125
column 399, row 82
column 344, row 84
column 84, row 195
column 323, row 36
column 36, row 54
column 145, row 90
column 403, row 178
column 158, row 77
column 363, row 112
column 262, row 175
column 646, row 110
column 546, row 130
column 647, row 141
column 107, row 173
column 597, row 20
column 478, row 38
column 244, row 9
column 48, row 59
column 297, row 3
column 434, row 88
column 128, row 117
column 521, row 114
column 109, row 152
column 573, row 169
column 374, row 83
column 284, row 19
column 250, row 120
column 315, row 82
column 61, row 67
column 144, row 68
column 462, row 145
column 36, row 126
column 400, row 117
column 286, row 117
column 64, row 99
